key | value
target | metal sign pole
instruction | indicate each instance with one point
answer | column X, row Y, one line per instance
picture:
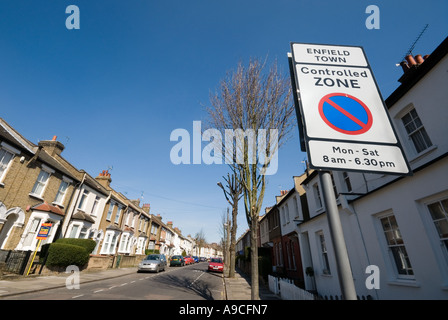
column 337, row 237
column 34, row 256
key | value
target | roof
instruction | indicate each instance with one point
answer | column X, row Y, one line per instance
column 416, row 74
column 9, row 134
column 93, row 183
column 83, row 216
column 44, row 206
column 113, row 227
column 44, row 157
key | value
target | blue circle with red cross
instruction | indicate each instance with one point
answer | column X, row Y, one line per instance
column 345, row 113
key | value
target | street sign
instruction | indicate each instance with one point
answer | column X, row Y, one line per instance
column 345, row 113
column 44, row 231
column 342, row 109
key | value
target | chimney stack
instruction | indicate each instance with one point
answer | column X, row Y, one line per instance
column 410, row 64
column 104, row 178
column 146, row 207
column 52, row 147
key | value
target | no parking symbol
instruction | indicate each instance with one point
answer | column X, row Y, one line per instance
column 345, row 113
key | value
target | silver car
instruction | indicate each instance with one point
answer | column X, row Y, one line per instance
column 153, row 262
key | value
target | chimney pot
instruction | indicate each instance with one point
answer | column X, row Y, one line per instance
column 54, row 138
column 411, row 61
column 419, row 59
column 425, row 56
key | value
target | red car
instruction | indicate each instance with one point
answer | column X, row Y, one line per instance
column 216, row 264
column 189, row 260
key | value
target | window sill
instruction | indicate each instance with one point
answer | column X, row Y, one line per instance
column 32, row 195
column 58, row 204
column 404, row 282
column 423, row 153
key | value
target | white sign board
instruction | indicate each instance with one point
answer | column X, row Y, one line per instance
column 341, row 108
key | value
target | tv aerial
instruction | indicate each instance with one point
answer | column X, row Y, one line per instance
column 414, row 43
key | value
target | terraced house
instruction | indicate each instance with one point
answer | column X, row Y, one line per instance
column 397, row 224
column 35, row 187
column 38, row 185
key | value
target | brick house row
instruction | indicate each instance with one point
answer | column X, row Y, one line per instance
column 38, row 185
column 399, row 224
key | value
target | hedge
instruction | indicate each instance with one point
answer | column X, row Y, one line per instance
column 151, row 251
column 63, row 255
column 87, row 244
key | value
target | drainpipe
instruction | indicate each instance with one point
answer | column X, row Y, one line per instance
column 74, row 204
column 363, row 241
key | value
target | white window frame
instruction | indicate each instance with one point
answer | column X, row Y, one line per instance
column 95, row 205
column 110, row 211
column 323, row 253
column 48, row 171
column 66, row 181
column 439, row 249
column 118, row 214
column 11, row 150
column 140, row 245
column 128, row 216
column 74, row 231
column 318, row 197
column 296, row 207
column 110, row 242
column 83, row 233
column 441, row 238
column 388, row 248
column 418, row 130
column 133, row 221
column 347, row 182
column 124, row 246
column 83, row 200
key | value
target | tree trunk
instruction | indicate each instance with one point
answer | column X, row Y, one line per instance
column 254, row 260
column 233, row 241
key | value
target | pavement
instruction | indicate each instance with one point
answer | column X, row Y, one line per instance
column 237, row 288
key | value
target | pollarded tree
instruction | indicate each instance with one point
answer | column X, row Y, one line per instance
column 254, row 110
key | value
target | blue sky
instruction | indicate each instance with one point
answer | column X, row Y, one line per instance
column 115, row 89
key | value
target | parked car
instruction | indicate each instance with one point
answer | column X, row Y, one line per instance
column 177, row 261
column 202, row 259
column 153, row 262
column 196, row 259
column 189, row 260
column 216, row 264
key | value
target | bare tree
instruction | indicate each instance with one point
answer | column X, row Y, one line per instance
column 199, row 238
column 225, row 240
column 259, row 103
column 233, row 192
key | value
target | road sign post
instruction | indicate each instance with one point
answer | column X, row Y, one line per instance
column 345, row 125
column 43, row 233
column 337, row 238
